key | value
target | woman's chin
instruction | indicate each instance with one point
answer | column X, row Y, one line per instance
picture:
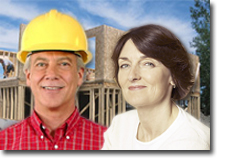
column 136, row 104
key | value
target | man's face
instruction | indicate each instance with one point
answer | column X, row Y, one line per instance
column 54, row 78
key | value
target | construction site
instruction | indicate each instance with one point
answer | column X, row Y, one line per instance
column 99, row 98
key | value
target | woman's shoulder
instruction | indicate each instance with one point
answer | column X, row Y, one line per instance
column 126, row 119
column 193, row 122
column 195, row 129
column 121, row 131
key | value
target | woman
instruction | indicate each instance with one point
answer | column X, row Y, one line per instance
column 152, row 68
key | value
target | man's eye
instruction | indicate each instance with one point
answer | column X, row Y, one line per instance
column 40, row 64
column 65, row 64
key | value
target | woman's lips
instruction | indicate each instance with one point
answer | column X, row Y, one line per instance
column 132, row 88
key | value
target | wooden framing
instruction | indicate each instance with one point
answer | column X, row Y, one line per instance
column 101, row 103
column 12, row 102
column 99, row 99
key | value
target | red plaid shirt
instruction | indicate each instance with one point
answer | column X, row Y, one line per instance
column 77, row 133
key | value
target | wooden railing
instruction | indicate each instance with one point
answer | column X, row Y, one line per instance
column 16, row 103
column 12, row 99
column 99, row 104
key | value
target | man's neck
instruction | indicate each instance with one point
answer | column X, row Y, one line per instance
column 54, row 118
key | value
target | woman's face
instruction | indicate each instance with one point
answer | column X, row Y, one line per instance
column 144, row 81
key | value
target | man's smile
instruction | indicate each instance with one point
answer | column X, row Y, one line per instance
column 52, row 87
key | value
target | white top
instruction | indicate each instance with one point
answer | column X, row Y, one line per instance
column 7, row 62
column 185, row 133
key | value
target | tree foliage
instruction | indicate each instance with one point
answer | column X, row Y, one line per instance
column 200, row 15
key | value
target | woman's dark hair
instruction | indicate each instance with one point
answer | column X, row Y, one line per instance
column 159, row 43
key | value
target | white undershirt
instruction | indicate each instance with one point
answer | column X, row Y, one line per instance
column 158, row 141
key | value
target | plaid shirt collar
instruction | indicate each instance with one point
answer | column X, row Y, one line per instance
column 65, row 128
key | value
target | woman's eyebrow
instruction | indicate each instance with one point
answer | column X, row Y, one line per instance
column 123, row 58
column 143, row 57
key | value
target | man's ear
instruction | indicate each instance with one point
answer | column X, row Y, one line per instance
column 80, row 76
column 28, row 82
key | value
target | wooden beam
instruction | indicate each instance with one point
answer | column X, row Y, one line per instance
column 4, row 103
column 92, row 105
column 119, row 102
column 12, row 103
column 101, row 106
column 7, row 103
column 16, row 104
column 107, row 107
column 31, row 103
column 113, row 103
column 21, row 108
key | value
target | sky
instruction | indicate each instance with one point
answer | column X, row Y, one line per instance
column 120, row 14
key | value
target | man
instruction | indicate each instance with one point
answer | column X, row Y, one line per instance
column 53, row 48
column 8, row 66
column 2, row 69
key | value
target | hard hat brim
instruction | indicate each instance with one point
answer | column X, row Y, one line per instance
column 86, row 55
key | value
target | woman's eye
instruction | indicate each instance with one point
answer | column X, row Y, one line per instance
column 149, row 64
column 124, row 66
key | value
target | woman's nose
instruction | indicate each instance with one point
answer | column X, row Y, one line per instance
column 134, row 74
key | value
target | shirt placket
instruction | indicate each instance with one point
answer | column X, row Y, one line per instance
column 48, row 139
column 63, row 135
column 56, row 143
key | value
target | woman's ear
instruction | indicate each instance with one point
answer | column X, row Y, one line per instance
column 173, row 84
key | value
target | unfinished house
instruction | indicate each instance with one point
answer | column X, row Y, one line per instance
column 99, row 98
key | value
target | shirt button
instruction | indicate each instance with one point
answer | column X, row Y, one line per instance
column 67, row 137
column 56, row 146
column 42, row 137
column 43, row 127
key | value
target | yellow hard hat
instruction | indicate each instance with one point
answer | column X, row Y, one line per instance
column 54, row 31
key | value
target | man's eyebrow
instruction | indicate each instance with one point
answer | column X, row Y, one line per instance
column 59, row 59
column 65, row 58
column 40, row 59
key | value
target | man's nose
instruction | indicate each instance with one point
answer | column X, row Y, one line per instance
column 51, row 72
